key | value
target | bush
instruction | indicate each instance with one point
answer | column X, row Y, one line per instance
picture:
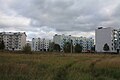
column 27, row 49
column 106, row 47
column 67, row 47
column 78, row 48
column 57, row 47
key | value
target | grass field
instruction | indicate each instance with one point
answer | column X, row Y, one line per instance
column 59, row 66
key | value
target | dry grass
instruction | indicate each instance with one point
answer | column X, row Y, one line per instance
column 53, row 66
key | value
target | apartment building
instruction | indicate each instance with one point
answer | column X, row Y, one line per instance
column 86, row 43
column 108, row 35
column 39, row 44
column 13, row 41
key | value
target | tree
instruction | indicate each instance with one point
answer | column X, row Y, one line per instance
column 51, row 46
column 2, row 45
column 67, row 47
column 93, row 48
column 106, row 47
column 27, row 49
column 78, row 48
column 54, row 47
column 57, row 47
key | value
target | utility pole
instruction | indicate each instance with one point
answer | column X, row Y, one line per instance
column 71, row 45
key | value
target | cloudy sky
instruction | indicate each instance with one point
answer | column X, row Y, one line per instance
column 44, row 18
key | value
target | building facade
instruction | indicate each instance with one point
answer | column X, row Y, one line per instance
column 13, row 41
column 108, row 36
column 39, row 44
column 86, row 43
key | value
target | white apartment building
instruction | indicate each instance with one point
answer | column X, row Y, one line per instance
column 86, row 43
column 107, row 35
column 13, row 41
column 39, row 44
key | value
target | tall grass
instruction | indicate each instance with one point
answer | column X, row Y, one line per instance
column 59, row 66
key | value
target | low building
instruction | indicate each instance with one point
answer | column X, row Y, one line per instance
column 13, row 41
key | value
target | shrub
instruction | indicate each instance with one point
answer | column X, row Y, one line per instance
column 106, row 47
column 27, row 49
column 78, row 48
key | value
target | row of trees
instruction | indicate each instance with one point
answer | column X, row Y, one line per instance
column 67, row 48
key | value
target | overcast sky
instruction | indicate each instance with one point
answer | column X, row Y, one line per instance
column 44, row 18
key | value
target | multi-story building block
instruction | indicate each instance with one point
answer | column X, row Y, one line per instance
column 108, row 36
column 39, row 44
column 13, row 41
column 86, row 43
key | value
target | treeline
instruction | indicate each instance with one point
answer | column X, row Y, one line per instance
column 67, row 48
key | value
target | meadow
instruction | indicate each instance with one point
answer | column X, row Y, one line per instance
column 59, row 66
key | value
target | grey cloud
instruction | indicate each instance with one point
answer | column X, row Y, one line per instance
column 64, row 15
column 61, row 13
column 116, row 12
